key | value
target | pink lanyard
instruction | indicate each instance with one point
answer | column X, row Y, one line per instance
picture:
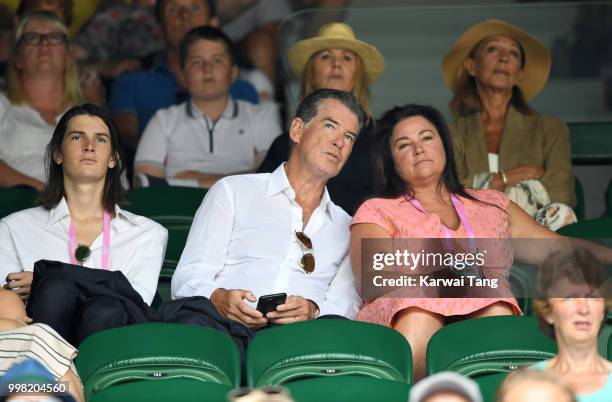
column 462, row 217
column 105, row 241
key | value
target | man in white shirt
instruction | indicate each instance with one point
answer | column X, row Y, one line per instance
column 211, row 135
column 279, row 232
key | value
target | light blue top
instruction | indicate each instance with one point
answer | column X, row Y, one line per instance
column 603, row 395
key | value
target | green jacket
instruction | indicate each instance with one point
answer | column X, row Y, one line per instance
column 526, row 140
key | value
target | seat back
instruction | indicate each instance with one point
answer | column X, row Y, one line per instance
column 15, row 199
column 609, row 198
column 348, row 388
column 165, row 202
column 488, row 345
column 183, row 390
column 591, row 143
column 580, row 209
column 177, row 237
column 609, row 343
column 157, row 352
column 599, row 228
column 322, row 348
column 521, row 278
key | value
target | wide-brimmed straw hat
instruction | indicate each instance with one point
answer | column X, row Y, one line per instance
column 537, row 57
column 336, row 35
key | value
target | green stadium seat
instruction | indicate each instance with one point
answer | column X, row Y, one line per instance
column 522, row 278
column 610, row 347
column 580, row 209
column 177, row 237
column 599, row 228
column 348, row 389
column 157, row 352
column 15, row 199
column 183, row 390
column 609, row 198
column 327, row 348
column 485, row 346
column 591, row 143
column 489, row 384
column 165, row 203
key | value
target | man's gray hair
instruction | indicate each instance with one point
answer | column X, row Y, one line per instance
column 309, row 106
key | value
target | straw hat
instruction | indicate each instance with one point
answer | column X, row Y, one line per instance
column 537, row 58
column 336, row 35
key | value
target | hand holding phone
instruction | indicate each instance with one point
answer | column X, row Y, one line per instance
column 268, row 303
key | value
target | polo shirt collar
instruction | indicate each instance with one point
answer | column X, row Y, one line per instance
column 279, row 183
column 230, row 112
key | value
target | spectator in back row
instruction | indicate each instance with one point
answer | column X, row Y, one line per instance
column 500, row 142
column 211, row 135
column 279, row 232
column 42, row 84
column 135, row 97
column 335, row 59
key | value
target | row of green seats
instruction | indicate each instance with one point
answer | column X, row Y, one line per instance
column 135, row 362
column 320, row 360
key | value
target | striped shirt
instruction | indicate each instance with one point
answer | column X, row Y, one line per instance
column 39, row 342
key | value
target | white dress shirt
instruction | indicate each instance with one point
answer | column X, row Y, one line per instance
column 24, row 136
column 243, row 237
column 181, row 138
column 137, row 245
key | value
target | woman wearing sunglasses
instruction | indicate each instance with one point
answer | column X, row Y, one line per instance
column 42, row 84
column 79, row 222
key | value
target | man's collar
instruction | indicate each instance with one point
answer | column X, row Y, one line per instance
column 279, row 183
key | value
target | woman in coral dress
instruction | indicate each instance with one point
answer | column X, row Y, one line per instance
column 422, row 198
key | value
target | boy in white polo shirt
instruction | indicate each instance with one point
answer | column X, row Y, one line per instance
column 211, row 135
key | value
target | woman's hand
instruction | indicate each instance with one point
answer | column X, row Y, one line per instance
column 523, row 172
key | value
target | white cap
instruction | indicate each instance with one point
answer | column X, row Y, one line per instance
column 446, row 381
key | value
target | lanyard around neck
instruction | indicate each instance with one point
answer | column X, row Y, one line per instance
column 469, row 230
column 105, row 241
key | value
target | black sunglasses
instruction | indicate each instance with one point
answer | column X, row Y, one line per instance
column 52, row 38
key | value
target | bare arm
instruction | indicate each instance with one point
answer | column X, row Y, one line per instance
column 533, row 243
column 359, row 232
column 12, row 311
column 10, row 177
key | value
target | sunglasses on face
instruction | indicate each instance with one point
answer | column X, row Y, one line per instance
column 307, row 262
column 52, row 38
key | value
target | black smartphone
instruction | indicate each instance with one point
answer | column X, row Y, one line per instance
column 268, row 303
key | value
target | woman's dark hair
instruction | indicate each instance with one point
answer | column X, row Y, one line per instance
column 113, row 192
column 387, row 182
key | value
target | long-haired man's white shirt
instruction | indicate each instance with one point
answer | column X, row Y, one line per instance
column 243, row 237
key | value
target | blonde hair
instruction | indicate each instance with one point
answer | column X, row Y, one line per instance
column 528, row 375
column 360, row 90
column 72, row 86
